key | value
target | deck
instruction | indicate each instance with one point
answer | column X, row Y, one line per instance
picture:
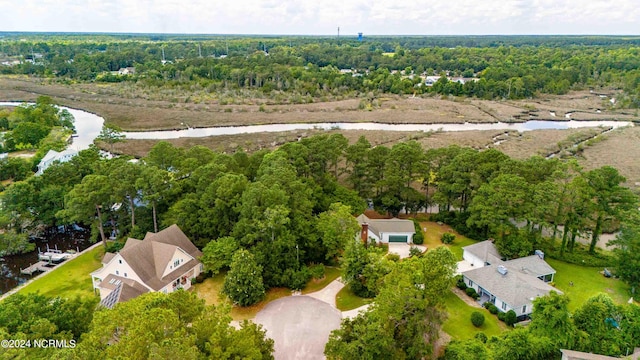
column 42, row 266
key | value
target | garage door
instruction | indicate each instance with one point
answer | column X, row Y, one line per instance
column 398, row 238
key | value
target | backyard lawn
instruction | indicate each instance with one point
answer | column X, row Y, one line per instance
column 458, row 323
column 587, row 282
column 434, row 233
column 69, row 279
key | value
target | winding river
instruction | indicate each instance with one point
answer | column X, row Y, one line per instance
column 88, row 127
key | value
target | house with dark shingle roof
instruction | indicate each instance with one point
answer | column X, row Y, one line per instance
column 164, row 262
column 509, row 285
column 387, row 230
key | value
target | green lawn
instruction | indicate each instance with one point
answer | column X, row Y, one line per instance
column 211, row 289
column 330, row 273
column 69, row 279
column 458, row 324
column 347, row 300
column 587, row 282
column 434, row 233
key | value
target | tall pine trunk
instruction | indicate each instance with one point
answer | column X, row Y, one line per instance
column 104, row 239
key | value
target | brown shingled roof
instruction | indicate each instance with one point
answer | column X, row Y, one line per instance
column 148, row 258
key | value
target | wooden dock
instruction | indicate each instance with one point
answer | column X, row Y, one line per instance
column 39, row 266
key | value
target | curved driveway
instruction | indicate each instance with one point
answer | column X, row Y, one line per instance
column 299, row 325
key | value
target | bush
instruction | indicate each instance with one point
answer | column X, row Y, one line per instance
column 510, row 318
column 414, row 251
column 493, row 309
column 393, row 257
column 418, row 237
column 501, row 316
column 481, row 336
column 297, row 280
column 115, row 246
column 477, row 318
column 471, row 292
column 317, row 271
column 461, row 284
column 447, row 238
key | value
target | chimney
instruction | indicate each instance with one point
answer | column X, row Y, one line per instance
column 364, row 234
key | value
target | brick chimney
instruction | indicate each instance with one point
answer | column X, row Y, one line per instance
column 364, row 234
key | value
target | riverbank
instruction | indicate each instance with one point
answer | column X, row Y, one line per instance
column 132, row 111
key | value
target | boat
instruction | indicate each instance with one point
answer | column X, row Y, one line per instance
column 53, row 255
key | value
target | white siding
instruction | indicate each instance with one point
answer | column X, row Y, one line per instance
column 385, row 236
column 179, row 257
column 116, row 266
column 475, row 261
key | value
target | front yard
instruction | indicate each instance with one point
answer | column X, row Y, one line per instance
column 211, row 291
column 458, row 323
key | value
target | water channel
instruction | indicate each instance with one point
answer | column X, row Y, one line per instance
column 88, row 127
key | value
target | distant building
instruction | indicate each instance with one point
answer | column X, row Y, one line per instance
column 127, row 71
column 53, row 156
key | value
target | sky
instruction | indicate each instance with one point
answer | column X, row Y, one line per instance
column 323, row 17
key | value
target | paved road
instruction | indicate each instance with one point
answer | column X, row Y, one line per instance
column 299, row 325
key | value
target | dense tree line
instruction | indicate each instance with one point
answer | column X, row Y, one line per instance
column 151, row 326
column 277, row 70
column 282, row 205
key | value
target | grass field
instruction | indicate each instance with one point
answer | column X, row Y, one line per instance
column 458, row 324
column 587, row 282
column 434, row 233
column 346, row 300
column 69, row 279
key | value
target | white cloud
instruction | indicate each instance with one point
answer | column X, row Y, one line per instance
column 315, row 17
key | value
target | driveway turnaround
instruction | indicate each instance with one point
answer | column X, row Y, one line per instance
column 299, row 325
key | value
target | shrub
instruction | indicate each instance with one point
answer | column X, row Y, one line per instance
column 481, row 336
column 418, row 237
column 477, row 318
column 297, row 280
column 510, row 318
column 414, row 251
column 471, row 292
column 114, row 247
column 493, row 309
column 393, row 257
column 487, row 305
column 317, row 271
column 461, row 284
column 501, row 316
column 447, row 238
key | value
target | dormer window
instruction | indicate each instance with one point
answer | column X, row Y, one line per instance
column 176, row 263
column 119, row 261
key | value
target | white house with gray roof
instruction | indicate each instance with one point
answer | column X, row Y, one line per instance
column 387, row 230
column 164, row 262
column 509, row 285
